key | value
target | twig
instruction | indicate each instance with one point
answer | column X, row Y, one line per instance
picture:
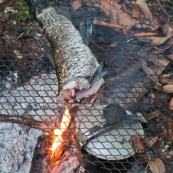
column 163, row 9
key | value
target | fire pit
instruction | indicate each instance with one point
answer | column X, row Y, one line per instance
column 42, row 134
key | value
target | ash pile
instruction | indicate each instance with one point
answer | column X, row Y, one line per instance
column 125, row 127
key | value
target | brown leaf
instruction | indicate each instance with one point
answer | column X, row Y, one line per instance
column 156, row 41
column 144, row 9
column 150, row 141
column 135, row 12
column 156, row 166
column 165, row 28
column 169, row 126
column 136, row 92
column 170, row 57
column 109, row 4
column 153, row 115
column 76, row 4
column 166, row 80
column 113, row 16
column 171, row 104
column 137, row 144
column 167, row 89
column 2, row 1
column 159, row 60
column 169, row 155
column 124, row 18
column 150, row 73
column 161, row 49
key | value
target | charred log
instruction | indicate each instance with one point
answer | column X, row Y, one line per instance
column 27, row 121
column 41, row 157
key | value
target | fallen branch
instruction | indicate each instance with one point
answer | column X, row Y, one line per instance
column 27, row 121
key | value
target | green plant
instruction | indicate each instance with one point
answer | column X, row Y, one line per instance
column 28, row 31
column 166, row 1
column 5, row 17
column 23, row 14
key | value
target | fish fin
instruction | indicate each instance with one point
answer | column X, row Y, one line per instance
column 101, row 71
column 33, row 4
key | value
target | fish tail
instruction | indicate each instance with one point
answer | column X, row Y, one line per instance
column 34, row 4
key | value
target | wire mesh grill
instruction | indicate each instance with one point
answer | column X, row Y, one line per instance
column 29, row 109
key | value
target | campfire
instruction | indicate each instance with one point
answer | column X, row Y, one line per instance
column 122, row 124
column 61, row 138
column 60, row 157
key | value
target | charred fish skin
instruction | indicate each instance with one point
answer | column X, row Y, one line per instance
column 74, row 60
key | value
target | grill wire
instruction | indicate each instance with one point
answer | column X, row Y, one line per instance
column 29, row 88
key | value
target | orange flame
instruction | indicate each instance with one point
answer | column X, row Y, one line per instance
column 59, row 132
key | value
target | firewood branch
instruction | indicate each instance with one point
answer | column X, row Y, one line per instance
column 27, row 121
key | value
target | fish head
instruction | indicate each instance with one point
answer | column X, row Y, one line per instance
column 72, row 87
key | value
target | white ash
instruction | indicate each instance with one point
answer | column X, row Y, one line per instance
column 37, row 97
column 16, row 148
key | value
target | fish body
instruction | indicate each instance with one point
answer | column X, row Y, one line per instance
column 75, row 62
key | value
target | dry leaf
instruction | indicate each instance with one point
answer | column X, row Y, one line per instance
column 18, row 54
column 171, row 104
column 170, row 57
column 137, row 144
column 165, row 28
column 150, row 73
column 167, row 88
column 156, row 41
column 135, row 12
column 168, row 155
column 169, row 126
column 112, row 2
column 113, row 16
column 166, row 80
column 156, row 166
column 161, row 49
column 124, row 18
column 150, row 141
column 153, row 115
column 136, row 92
column 76, row 4
column 2, row 1
column 159, row 61
column 144, row 9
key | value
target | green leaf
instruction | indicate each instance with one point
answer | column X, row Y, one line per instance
column 5, row 17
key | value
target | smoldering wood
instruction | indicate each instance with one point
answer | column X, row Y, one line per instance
column 41, row 156
column 27, row 121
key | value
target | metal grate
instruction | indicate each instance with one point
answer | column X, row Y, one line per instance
column 29, row 109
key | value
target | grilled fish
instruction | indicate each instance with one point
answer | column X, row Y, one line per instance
column 75, row 62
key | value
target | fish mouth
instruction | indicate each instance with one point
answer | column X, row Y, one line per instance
column 75, row 93
column 72, row 88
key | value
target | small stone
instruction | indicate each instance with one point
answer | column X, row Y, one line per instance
column 113, row 45
column 8, row 85
column 14, row 22
column 18, row 54
column 38, row 34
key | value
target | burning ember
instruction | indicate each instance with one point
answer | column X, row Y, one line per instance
column 61, row 133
